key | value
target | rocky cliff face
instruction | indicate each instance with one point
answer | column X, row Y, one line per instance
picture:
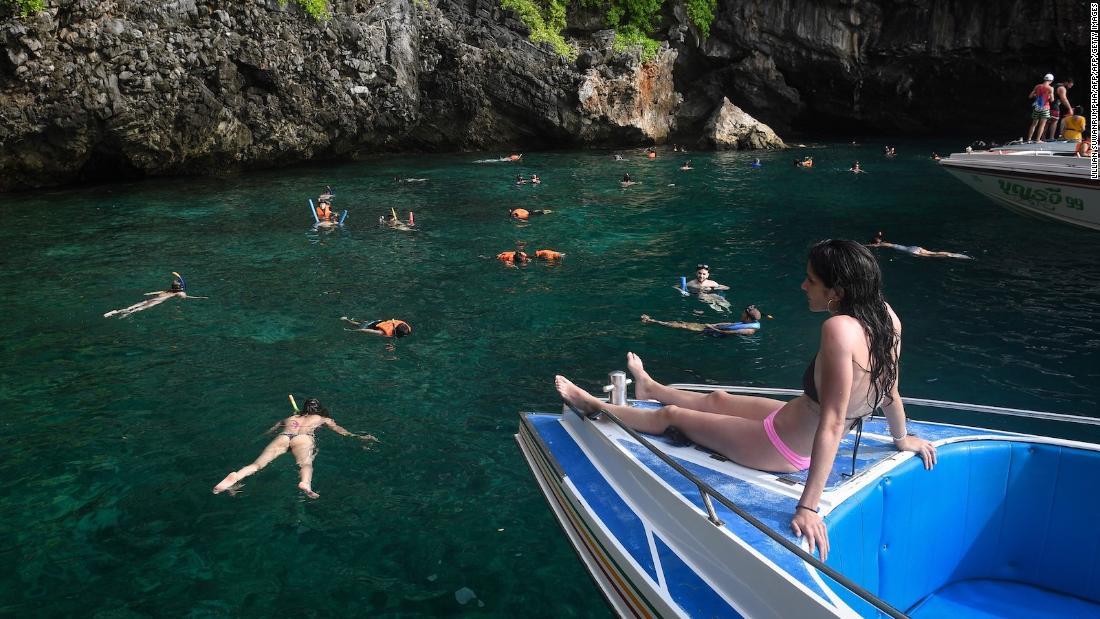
column 944, row 67
column 101, row 89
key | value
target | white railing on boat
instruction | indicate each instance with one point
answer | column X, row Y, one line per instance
column 707, row 492
column 978, row 408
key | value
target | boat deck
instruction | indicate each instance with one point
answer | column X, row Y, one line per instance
column 769, row 497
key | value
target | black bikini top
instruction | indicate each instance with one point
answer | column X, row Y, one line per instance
column 809, row 387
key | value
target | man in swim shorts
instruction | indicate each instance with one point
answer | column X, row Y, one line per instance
column 1040, row 98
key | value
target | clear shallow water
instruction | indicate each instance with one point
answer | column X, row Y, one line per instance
column 118, row 428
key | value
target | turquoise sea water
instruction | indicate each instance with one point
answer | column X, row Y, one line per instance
column 117, row 429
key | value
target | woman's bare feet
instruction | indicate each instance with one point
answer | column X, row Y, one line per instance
column 576, row 397
column 226, row 483
column 304, row 487
column 642, row 380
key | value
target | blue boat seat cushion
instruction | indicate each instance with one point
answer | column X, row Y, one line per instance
column 1005, row 511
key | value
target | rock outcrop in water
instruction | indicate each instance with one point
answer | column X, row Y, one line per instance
column 104, row 89
column 730, row 128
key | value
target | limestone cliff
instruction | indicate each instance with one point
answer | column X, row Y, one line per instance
column 942, row 67
column 101, row 89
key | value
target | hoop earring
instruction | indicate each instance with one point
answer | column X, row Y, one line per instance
column 829, row 306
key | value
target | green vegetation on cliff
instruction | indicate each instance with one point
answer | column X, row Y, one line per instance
column 632, row 20
column 317, row 9
column 546, row 19
column 24, row 7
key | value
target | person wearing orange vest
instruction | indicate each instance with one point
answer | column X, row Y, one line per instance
column 386, row 328
column 521, row 214
column 548, row 254
column 324, row 211
column 512, row 257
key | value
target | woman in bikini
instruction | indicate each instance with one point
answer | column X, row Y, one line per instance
column 297, row 436
column 854, row 370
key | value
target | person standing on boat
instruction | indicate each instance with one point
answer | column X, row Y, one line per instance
column 854, row 372
column 1059, row 107
column 1040, row 97
column 297, row 437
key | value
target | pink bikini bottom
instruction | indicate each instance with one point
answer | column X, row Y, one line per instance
column 797, row 461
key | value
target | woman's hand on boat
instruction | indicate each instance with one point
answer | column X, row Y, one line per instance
column 809, row 524
column 919, row 446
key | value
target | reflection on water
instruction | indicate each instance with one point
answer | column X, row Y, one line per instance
column 118, row 429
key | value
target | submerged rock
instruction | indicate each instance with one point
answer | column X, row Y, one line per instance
column 730, row 128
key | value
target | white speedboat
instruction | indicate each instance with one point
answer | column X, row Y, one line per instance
column 1044, row 180
column 1003, row 526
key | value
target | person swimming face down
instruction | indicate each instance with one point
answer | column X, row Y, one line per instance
column 312, row 406
column 751, row 314
column 402, row 329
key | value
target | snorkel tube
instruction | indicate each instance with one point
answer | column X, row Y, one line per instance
column 684, row 286
column 343, row 216
column 313, row 211
column 183, row 282
column 293, row 404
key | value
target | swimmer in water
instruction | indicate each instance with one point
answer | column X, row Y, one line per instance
column 520, row 180
column 687, row 166
column 386, row 328
column 619, row 157
column 548, row 254
column 297, row 437
column 855, row 169
column 514, row 258
column 393, row 222
column 522, row 214
column 748, row 325
column 177, row 289
column 756, row 164
column 916, row 250
column 703, row 282
column 535, row 180
column 627, row 181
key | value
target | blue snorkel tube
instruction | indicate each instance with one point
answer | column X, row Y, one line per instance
column 183, row 282
column 343, row 216
column 313, row 211
column 684, row 286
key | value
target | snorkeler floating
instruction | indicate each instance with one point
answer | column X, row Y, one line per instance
column 916, row 250
column 177, row 289
column 395, row 223
column 627, row 181
column 522, row 214
column 748, row 325
column 386, row 328
column 518, row 257
column 298, row 438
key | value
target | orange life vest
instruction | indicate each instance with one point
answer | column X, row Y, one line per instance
column 548, row 254
column 389, row 327
column 510, row 256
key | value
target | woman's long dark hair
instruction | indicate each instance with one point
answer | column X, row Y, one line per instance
column 851, row 268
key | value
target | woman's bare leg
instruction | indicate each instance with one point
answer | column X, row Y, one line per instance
column 741, row 440
column 273, row 450
column 303, row 453
column 719, row 402
column 137, row 307
column 675, row 324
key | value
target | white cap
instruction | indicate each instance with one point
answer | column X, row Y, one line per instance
column 1049, row 77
